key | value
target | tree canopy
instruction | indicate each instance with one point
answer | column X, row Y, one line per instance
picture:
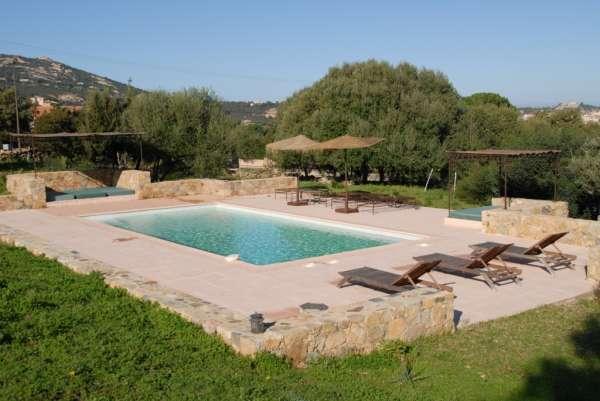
column 187, row 132
column 413, row 109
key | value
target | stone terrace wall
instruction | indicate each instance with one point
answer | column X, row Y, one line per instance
column 9, row 202
column 535, row 206
column 356, row 328
column 534, row 219
column 133, row 179
column 27, row 189
column 203, row 186
column 60, row 180
column 535, row 226
column 593, row 267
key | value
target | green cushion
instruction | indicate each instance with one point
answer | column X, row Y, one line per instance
column 87, row 193
column 473, row 213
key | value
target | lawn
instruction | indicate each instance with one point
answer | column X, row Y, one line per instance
column 65, row 336
column 433, row 197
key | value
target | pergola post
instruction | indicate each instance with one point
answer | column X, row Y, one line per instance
column 450, row 168
column 505, row 183
column 556, row 168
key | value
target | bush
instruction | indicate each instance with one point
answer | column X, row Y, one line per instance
column 479, row 185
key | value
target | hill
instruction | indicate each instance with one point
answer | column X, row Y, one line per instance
column 66, row 85
column 53, row 80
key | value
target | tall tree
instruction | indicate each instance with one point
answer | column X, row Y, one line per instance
column 101, row 112
column 187, row 132
column 413, row 109
column 56, row 120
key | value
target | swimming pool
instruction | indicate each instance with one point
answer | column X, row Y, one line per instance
column 258, row 238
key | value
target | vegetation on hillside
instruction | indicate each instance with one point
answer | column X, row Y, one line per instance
column 65, row 336
column 53, row 80
column 417, row 111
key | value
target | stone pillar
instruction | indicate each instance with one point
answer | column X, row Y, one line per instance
column 593, row 267
column 134, row 180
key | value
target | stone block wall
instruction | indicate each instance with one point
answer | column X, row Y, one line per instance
column 27, row 189
column 133, row 179
column 357, row 328
column 593, row 267
column 535, row 206
column 9, row 202
column 203, row 186
column 64, row 180
column 535, row 226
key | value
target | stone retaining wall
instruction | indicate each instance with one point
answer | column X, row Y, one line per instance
column 537, row 220
column 535, row 206
column 9, row 202
column 61, row 180
column 21, row 185
column 203, row 186
column 356, row 328
column 27, row 189
column 535, row 226
column 133, row 179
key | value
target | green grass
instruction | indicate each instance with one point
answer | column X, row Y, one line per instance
column 433, row 197
column 65, row 336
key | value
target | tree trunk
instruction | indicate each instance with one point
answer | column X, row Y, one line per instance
column 381, row 172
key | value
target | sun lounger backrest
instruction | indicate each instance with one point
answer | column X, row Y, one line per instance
column 494, row 252
column 416, row 271
column 548, row 240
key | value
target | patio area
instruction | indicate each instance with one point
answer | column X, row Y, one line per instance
column 278, row 290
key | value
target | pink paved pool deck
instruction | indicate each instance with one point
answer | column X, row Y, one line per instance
column 279, row 289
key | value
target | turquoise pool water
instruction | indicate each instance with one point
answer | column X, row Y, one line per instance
column 257, row 238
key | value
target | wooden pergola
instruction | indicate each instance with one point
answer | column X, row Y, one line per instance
column 61, row 135
column 504, row 157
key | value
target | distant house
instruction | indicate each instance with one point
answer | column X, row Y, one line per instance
column 42, row 106
column 271, row 113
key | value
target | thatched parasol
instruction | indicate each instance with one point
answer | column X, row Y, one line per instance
column 298, row 143
column 344, row 143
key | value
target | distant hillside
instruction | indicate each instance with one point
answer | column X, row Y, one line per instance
column 53, row 80
column 66, row 85
column 251, row 111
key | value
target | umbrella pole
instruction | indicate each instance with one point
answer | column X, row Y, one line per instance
column 346, row 174
column 298, row 180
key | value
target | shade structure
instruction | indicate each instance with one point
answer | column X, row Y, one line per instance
column 345, row 143
column 298, row 143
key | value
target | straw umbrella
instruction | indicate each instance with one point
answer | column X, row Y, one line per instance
column 346, row 142
column 298, row 143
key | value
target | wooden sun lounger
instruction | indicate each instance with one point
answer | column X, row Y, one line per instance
column 536, row 253
column 478, row 265
column 391, row 282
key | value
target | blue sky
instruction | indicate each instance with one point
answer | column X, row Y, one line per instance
column 534, row 52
